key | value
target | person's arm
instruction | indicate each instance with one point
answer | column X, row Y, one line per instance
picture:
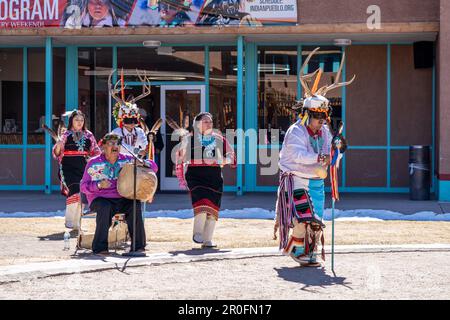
column 87, row 185
column 142, row 141
column 298, row 150
column 95, row 149
column 58, row 148
column 228, row 152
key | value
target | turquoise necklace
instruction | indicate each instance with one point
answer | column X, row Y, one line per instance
column 208, row 142
column 80, row 139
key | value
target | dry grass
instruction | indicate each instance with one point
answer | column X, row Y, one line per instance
column 232, row 233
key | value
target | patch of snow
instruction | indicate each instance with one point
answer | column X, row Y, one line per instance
column 258, row 213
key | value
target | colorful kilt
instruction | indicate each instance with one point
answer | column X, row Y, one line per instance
column 309, row 200
column 205, row 185
column 301, row 209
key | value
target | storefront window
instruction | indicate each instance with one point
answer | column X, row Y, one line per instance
column 36, row 95
column 164, row 63
column 222, row 86
column 94, row 66
column 59, row 84
column 277, row 89
column 36, row 91
column 11, row 86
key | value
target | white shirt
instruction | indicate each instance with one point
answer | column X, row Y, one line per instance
column 297, row 155
column 141, row 141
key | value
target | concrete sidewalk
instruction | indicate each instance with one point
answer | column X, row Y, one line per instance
column 91, row 263
column 39, row 202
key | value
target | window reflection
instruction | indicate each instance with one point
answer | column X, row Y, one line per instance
column 277, row 89
column 11, row 71
column 222, row 86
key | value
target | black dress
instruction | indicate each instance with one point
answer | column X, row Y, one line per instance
column 73, row 160
column 204, row 174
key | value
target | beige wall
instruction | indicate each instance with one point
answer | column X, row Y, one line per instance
column 443, row 112
column 354, row 11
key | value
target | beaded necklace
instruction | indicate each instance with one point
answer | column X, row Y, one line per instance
column 209, row 143
column 80, row 139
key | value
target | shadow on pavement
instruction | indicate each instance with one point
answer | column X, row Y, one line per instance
column 197, row 251
column 58, row 236
column 311, row 277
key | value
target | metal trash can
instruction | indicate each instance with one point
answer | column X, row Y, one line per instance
column 419, row 172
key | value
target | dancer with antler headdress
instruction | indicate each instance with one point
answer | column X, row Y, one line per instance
column 304, row 158
column 126, row 114
column 72, row 149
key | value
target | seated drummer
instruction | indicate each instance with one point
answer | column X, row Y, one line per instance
column 99, row 184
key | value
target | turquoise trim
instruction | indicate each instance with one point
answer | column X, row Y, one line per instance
column 344, row 117
column 378, row 147
column 48, row 110
column 433, row 128
column 207, row 79
column 230, row 188
column 388, row 120
column 16, row 187
column 240, row 112
column 114, row 80
column 71, row 78
column 251, row 112
column 22, row 146
column 299, row 66
column 443, row 190
column 24, row 113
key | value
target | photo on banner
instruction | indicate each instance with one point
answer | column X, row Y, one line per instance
column 77, row 14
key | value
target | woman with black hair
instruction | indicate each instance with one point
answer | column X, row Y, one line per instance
column 204, row 152
column 72, row 150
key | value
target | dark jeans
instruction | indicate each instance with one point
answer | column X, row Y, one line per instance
column 106, row 208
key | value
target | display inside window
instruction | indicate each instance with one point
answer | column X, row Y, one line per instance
column 11, row 87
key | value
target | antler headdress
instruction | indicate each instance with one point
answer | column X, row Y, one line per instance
column 314, row 98
column 127, row 108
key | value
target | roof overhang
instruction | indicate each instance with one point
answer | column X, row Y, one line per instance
column 324, row 33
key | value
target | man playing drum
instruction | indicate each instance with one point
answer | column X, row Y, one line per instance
column 99, row 183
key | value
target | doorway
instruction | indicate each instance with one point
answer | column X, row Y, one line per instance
column 181, row 103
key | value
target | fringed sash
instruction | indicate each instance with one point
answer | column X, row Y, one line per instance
column 285, row 207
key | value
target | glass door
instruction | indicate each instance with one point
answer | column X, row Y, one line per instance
column 181, row 103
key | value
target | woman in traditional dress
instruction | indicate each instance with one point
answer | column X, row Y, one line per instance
column 72, row 150
column 204, row 153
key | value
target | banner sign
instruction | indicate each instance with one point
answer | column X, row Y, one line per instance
column 76, row 14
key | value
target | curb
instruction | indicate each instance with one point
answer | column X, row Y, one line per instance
column 15, row 273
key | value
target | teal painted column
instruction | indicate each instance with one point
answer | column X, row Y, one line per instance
column 71, row 78
column 206, row 78
column 24, row 114
column 48, row 111
column 114, row 80
column 240, row 114
column 388, row 117
column 344, row 117
column 251, row 113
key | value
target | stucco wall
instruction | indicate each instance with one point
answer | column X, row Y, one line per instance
column 443, row 113
column 354, row 11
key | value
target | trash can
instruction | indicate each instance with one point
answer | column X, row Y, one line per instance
column 419, row 172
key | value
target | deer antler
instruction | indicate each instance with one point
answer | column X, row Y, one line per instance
column 303, row 77
column 146, row 88
column 114, row 90
column 323, row 91
column 156, row 126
